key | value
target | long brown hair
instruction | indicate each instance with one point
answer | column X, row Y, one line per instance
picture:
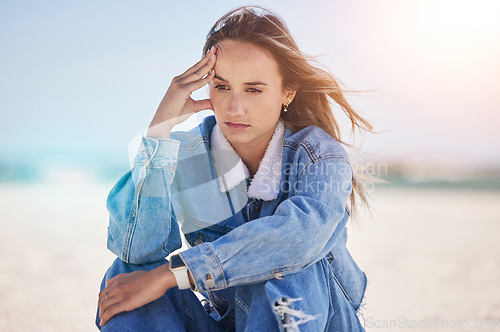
column 315, row 87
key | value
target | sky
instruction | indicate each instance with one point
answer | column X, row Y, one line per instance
column 83, row 78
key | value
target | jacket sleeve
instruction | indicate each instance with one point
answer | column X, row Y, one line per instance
column 142, row 227
column 302, row 230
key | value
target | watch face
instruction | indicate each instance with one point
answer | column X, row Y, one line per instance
column 176, row 262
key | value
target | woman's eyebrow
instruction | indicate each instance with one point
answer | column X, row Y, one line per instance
column 246, row 83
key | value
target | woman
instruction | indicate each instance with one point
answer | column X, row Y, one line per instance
column 260, row 191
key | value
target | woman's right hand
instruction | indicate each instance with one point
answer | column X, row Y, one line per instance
column 177, row 104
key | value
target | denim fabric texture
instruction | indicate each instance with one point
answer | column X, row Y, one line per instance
column 265, row 265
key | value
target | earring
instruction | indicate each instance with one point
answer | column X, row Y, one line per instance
column 285, row 107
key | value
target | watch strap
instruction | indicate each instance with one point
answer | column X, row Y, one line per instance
column 181, row 277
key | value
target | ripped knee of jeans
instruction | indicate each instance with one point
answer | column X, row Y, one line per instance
column 291, row 318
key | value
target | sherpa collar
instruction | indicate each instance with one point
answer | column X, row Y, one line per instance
column 231, row 170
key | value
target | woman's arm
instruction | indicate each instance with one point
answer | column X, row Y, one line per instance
column 303, row 229
column 142, row 226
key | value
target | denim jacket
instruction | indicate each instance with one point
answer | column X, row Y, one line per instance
column 235, row 239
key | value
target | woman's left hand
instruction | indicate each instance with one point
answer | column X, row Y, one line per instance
column 128, row 291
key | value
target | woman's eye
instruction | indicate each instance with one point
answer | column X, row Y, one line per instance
column 253, row 90
column 224, row 88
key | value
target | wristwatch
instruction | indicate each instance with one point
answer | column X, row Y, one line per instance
column 180, row 271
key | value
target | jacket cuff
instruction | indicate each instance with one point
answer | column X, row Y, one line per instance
column 205, row 268
column 157, row 152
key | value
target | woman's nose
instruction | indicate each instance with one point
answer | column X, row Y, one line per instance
column 235, row 106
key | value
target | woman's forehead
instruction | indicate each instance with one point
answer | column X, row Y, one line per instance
column 243, row 61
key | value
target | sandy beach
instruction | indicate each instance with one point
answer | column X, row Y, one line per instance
column 432, row 258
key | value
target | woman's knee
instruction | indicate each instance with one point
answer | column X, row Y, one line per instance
column 299, row 300
column 180, row 310
column 308, row 300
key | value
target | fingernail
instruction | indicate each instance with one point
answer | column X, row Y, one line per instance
column 211, row 48
column 212, row 57
column 100, row 322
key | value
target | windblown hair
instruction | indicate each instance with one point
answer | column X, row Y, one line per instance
column 315, row 87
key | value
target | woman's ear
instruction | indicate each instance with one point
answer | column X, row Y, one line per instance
column 289, row 95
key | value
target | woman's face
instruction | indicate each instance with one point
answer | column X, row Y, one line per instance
column 246, row 94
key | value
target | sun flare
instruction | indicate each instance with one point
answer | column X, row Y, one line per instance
column 452, row 23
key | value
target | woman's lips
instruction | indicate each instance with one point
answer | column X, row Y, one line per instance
column 236, row 125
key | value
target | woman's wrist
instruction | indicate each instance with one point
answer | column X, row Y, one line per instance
column 165, row 276
column 160, row 130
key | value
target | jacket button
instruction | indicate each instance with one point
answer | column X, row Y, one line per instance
column 198, row 241
column 209, row 283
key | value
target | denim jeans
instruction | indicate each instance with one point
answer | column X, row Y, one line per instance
column 310, row 300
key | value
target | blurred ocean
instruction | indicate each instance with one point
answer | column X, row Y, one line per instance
column 62, row 167
column 70, row 167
